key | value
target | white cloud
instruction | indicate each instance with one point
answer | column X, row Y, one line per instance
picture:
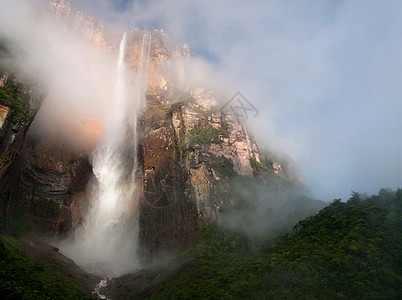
column 72, row 72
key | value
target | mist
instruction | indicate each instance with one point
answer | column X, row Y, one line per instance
column 325, row 77
column 83, row 83
column 70, row 70
column 265, row 211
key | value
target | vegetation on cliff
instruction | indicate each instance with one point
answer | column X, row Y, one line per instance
column 261, row 166
column 205, row 135
column 22, row 277
column 349, row 250
column 13, row 95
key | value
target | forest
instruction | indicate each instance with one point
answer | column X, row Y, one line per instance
column 349, row 250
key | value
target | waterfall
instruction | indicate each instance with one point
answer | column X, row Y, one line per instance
column 144, row 61
column 142, row 84
column 106, row 243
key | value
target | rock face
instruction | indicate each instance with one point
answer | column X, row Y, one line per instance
column 38, row 181
column 44, row 187
column 54, row 180
column 103, row 37
column 18, row 106
column 190, row 151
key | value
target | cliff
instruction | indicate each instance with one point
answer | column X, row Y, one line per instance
column 18, row 105
column 190, row 152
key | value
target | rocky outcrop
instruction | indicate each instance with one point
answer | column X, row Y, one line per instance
column 97, row 33
column 18, row 106
column 191, row 151
column 54, row 180
column 45, row 188
column 108, row 38
column 38, row 181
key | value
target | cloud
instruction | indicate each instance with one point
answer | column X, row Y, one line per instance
column 325, row 76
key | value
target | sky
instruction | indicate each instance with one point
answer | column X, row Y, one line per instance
column 325, row 76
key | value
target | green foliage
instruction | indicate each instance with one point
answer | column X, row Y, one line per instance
column 212, row 271
column 13, row 95
column 187, row 101
column 349, row 250
column 16, row 225
column 159, row 108
column 23, row 278
column 205, row 135
column 224, row 170
column 260, row 165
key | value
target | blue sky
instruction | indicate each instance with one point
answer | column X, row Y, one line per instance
column 325, row 76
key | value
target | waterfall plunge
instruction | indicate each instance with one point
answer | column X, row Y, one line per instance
column 106, row 243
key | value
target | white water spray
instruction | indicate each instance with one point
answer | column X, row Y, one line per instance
column 106, row 244
column 143, row 67
column 142, row 84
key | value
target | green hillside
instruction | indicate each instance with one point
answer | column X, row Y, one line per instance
column 349, row 250
column 23, row 277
